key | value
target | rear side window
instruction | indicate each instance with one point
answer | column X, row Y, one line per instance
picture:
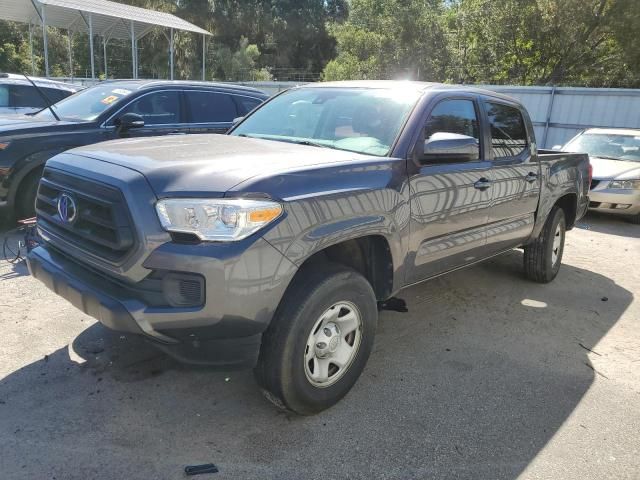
column 508, row 133
column 25, row 96
column 246, row 104
column 4, row 96
column 56, row 94
column 211, row 107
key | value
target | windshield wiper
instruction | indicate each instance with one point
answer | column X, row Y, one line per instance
column 311, row 144
column 46, row 99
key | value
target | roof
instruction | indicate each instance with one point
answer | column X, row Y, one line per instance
column 407, row 85
column 614, row 131
column 17, row 79
column 109, row 19
column 142, row 84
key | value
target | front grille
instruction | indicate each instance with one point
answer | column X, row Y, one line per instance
column 594, row 184
column 101, row 226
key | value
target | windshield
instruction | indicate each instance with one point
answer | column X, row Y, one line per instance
column 88, row 104
column 612, row 146
column 359, row 120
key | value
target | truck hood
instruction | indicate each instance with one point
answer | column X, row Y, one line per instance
column 615, row 169
column 205, row 165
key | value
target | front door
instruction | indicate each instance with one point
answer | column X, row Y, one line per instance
column 515, row 175
column 449, row 199
column 162, row 114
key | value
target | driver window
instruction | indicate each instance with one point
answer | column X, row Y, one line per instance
column 454, row 116
column 158, row 108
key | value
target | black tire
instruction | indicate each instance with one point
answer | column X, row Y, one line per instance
column 538, row 255
column 281, row 366
column 26, row 195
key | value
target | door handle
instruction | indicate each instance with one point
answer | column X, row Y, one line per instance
column 531, row 177
column 482, row 184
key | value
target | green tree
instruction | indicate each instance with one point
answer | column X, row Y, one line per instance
column 391, row 39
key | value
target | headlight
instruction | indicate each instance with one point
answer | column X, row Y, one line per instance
column 222, row 220
column 625, row 184
column 4, row 145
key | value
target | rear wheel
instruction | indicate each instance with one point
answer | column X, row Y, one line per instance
column 26, row 195
column 319, row 341
column 543, row 257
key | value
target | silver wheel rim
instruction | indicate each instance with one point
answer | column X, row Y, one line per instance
column 333, row 344
column 557, row 245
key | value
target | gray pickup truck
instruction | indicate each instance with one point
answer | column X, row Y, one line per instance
column 273, row 246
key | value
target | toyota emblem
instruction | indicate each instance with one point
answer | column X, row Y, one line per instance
column 67, row 208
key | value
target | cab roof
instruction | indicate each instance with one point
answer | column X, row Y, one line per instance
column 407, row 85
column 142, row 84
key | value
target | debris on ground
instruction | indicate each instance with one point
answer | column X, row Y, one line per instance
column 394, row 304
column 200, row 469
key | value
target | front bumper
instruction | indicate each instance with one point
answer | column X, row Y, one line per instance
column 226, row 331
column 614, row 201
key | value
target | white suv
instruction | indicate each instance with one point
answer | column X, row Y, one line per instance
column 17, row 95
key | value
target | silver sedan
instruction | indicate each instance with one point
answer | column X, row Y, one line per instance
column 615, row 158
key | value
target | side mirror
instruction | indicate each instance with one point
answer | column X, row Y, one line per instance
column 129, row 121
column 443, row 147
column 237, row 120
column 557, row 148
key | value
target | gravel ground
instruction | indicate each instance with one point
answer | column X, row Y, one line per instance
column 487, row 377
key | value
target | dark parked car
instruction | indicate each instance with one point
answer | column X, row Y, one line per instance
column 18, row 95
column 113, row 109
column 271, row 246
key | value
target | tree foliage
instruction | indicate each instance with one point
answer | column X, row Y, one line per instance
column 560, row 42
column 527, row 42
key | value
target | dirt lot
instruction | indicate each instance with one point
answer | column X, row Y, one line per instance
column 488, row 376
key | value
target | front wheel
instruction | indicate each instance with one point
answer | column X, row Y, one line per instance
column 319, row 340
column 543, row 257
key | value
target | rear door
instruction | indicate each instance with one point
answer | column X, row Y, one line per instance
column 449, row 200
column 210, row 111
column 515, row 175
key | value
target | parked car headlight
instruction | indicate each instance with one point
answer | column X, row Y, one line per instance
column 625, row 184
column 221, row 220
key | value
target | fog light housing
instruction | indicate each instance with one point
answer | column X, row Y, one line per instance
column 183, row 289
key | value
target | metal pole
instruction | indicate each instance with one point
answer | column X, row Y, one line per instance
column 549, row 112
column 171, row 53
column 104, row 54
column 33, row 64
column 204, row 55
column 133, row 50
column 93, row 68
column 69, row 34
column 44, row 38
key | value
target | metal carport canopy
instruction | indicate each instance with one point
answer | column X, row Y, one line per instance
column 97, row 17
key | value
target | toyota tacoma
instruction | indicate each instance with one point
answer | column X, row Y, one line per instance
column 271, row 247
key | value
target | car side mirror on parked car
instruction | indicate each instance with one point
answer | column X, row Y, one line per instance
column 237, row 120
column 129, row 121
column 557, row 148
column 444, row 147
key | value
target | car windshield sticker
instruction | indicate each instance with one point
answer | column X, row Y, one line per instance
column 109, row 100
column 121, row 91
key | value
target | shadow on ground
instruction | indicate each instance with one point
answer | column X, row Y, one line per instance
column 609, row 224
column 471, row 383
